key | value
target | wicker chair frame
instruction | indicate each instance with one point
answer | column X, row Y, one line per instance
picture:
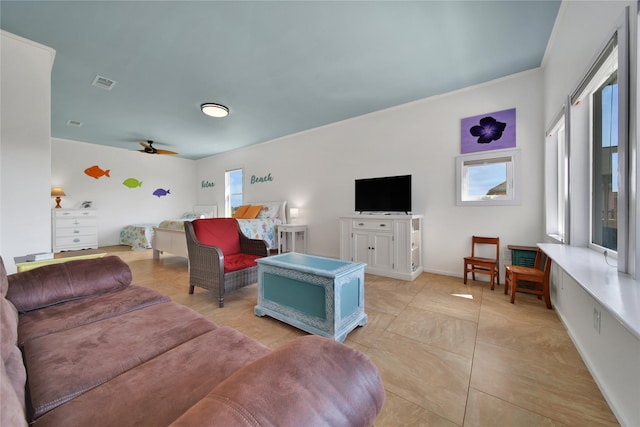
column 206, row 264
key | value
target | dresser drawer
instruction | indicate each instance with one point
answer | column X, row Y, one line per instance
column 372, row 224
column 76, row 231
column 76, row 222
column 72, row 241
column 78, row 213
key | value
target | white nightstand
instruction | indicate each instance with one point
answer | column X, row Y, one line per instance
column 293, row 229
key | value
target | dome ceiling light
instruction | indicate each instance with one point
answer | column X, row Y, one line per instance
column 214, row 110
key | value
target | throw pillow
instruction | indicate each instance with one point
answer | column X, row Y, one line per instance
column 252, row 212
column 241, row 211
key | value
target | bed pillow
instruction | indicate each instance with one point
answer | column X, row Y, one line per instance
column 270, row 210
column 252, row 212
column 241, row 211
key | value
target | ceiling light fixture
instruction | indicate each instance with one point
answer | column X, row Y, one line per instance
column 214, row 110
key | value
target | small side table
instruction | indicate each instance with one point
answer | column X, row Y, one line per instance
column 293, row 229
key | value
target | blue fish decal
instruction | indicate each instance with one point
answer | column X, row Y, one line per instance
column 161, row 192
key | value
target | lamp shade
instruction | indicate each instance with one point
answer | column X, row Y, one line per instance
column 57, row 192
column 293, row 215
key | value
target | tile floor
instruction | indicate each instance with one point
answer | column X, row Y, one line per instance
column 449, row 354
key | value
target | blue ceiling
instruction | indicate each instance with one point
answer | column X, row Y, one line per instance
column 280, row 66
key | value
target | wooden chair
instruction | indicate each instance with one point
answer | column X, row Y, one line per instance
column 221, row 258
column 475, row 264
column 532, row 280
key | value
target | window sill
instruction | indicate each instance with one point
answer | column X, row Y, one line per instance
column 619, row 293
column 555, row 238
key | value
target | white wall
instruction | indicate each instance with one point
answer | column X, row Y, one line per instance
column 572, row 48
column 315, row 170
column 25, row 122
column 117, row 204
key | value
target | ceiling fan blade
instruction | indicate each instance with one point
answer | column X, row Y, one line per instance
column 150, row 149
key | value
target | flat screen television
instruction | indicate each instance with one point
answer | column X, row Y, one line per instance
column 385, row 194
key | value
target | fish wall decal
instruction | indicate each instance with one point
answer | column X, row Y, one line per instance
column 132, row 183
column 161, row 192
column 95, row 172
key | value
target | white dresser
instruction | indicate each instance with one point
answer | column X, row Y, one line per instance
column 74, row 229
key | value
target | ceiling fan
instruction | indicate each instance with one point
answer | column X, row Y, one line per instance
column 150, row 149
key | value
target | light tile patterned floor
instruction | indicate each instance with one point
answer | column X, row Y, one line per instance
column 449, row 354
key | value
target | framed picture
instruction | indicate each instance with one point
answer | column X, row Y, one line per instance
column 492, row 131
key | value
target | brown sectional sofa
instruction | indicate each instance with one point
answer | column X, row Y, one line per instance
column 81, row 346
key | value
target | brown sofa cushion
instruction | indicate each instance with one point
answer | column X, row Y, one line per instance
column 59, row 317
column 65, row 364
column 160, row 390
column 66, row 282
column 315, row 381
column 12, row 371
column 11, row 406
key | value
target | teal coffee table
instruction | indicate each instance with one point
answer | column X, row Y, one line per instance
column 322, row 296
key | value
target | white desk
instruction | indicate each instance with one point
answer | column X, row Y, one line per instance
column 293, row 229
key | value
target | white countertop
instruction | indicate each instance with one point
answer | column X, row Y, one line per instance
column 619, row 293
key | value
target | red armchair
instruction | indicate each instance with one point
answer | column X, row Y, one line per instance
column 221, row 258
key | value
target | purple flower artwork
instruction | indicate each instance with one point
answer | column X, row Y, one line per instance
column 493, row 131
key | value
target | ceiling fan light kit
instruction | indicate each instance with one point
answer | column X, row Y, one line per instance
column 214, row 110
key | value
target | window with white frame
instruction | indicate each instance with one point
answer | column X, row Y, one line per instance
column 556, row 181
column 604, row 164
column 601, row 172
column 599, row 91
column 489, row 178
column 233, row 191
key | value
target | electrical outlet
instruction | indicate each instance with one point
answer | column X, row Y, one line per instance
column 596, row 320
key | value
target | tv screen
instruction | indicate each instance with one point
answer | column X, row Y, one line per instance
column 386, row 194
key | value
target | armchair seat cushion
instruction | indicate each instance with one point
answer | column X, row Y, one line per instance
column 239, row 261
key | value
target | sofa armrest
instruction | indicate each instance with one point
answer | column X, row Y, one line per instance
column 311, row 381
column 57, row 283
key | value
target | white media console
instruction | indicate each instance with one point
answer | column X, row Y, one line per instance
column 390, row 245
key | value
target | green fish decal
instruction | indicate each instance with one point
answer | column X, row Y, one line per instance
column 132, row 183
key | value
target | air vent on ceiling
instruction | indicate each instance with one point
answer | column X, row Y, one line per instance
column 74, row 123
column 103, row 83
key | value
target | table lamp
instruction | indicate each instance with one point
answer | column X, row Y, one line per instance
column 57, row 192
column 293, row 213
